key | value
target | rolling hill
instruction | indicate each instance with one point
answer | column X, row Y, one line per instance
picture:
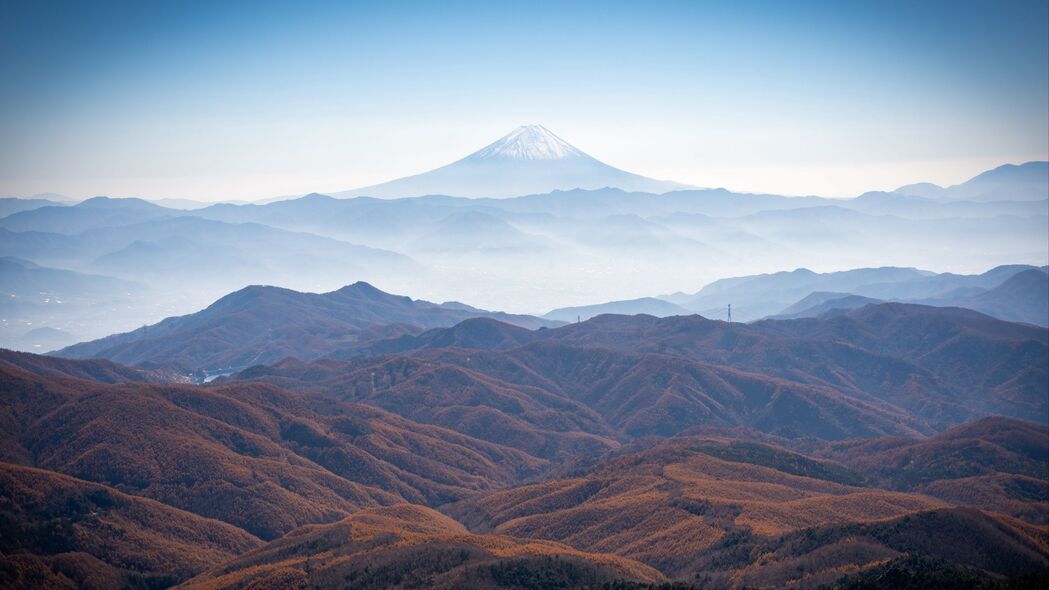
column 260, row 458
column 60, row 531
column 722, row 513
column 994, row 463
column 407, row 546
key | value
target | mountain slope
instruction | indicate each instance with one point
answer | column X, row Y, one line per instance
column 69, row 531
column 409, row 546
column 668, row 505
column 757, row 296
column 546, row 391
column 726, row 513
column 889, row 359
column 995, row 464
column 528, row 160
column 260, row 458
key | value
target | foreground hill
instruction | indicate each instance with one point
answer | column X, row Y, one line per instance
column 59, row 531
column 668, row 505
column 554, row 472
column 257, row 457
column 409, row 546
column 259, row 325
column 995, row 463
column 724, row 513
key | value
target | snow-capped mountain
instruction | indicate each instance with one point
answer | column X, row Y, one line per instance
column 529, row 142
column 531, row 159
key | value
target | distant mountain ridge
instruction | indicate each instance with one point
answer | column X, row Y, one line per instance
column 804, row 293
column 262, row 324
column 646, row 305
column 1024, row 182
column 528, row 160
column 532, row 253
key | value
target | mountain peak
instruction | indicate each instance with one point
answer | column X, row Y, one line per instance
column 529, row 142
column 530, row 160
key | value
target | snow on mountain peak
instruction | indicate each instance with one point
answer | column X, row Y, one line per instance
column 529, row 142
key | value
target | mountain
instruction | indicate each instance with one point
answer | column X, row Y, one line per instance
column 186, row 263
column 553, row 397
column 261, row 324
column 1024, row 297
column 409, row 546
column 22, row 281
column 757, row 296
column 1023, row 182
column 995, row 463
column 291, row 475
column 90, row 214
column 816, row 304
column 645, row 305
column 528, row 160
column 43, row 307
column 540, row 251
column 97, row 370
column 724, row 514
column 12, row 205
column 43, row 339
column 1017, row 293
column 260, row 458
column 552, row 392
column 784, row 294
column 172, row 251
column 68, row 532
column 860, row 351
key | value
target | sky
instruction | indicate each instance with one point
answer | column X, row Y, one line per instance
column 249, row 100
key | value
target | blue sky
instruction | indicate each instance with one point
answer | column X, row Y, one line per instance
column 218, row 100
